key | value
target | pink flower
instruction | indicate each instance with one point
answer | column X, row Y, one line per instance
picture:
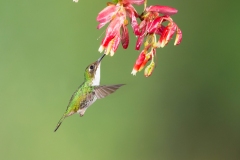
column 117, row 31
column 142, row 60
column 152, row 24
column 111, row 40
column 106, row 15
column 167, row 34
column 152, row 32
column 139, row 62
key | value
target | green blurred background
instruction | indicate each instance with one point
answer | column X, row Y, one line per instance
column 189, row 109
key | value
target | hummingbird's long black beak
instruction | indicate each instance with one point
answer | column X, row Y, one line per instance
column 99, row 59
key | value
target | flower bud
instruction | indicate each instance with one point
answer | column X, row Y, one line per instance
column 149, row 69
column 138, row 62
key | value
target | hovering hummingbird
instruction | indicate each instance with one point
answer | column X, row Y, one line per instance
column 88, row 92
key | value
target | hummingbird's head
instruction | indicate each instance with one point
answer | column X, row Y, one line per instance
column 92, row 72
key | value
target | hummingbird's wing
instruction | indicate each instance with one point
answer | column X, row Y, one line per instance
column 103, row 91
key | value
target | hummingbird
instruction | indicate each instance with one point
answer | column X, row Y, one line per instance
column 88, row 92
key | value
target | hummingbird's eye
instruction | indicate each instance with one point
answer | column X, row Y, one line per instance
column 91, row 67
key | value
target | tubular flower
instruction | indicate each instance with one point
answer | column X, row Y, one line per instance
column 151, row 27
column 152, row 24
column 144, row 56
column 139, row 62
column 117, row 30
column 154, row 31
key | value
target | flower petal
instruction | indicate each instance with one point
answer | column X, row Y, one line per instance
column 130, row 9
column 162, row 9
column 124, row 37
column 178, row 37
column 112, row 30
column 134, row 72
column 106, row 14
column 115, row 44
column 138, row 2
column 106, row 40
column 147, row 58
column 167, row 34
column 172, row 30
column 142, row 24
column 100, row 25
column 139, row 61
column 160, row 30
column 154, row 25
column 140, row 38
column 134, row 23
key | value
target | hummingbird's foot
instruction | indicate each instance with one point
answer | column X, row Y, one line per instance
column 81, row 111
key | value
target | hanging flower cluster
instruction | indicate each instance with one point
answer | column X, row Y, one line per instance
column 151, row 27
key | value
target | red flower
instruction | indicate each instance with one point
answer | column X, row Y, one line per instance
column 139, row 62
column 152, row 29
column 147, row 58
column 117, row 31
column 112, row 37
column 167, row 34
column 152, row 24
column 142, row 60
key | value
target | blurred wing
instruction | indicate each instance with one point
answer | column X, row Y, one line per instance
column 103, row 91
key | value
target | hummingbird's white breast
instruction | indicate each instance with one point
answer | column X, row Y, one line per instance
column 96, row 80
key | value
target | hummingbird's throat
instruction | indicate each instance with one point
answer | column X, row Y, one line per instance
column 96, row 79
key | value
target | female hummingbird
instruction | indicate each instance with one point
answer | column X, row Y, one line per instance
column 88, row 92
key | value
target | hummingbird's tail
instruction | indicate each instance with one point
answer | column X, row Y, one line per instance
column 59, row 123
